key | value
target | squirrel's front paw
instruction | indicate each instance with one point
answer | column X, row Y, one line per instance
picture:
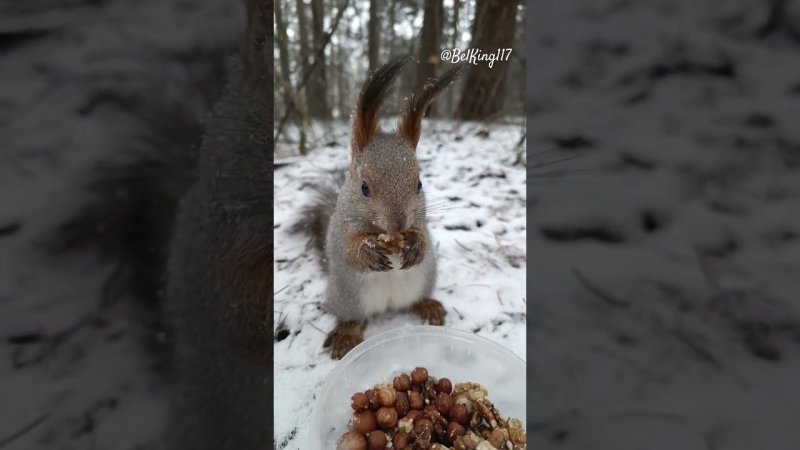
column 374, row 256
column 414, row 249
column 344, row 338
column 367, row 254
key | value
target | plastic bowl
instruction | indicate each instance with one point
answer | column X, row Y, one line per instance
column 445, row 352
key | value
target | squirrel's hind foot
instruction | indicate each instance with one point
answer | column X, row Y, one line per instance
column 429, row 310
column 344, row 338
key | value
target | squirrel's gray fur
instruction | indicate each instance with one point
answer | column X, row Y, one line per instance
column 396, row 174
column 395, row 205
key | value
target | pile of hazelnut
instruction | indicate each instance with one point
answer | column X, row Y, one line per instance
column 419, row 412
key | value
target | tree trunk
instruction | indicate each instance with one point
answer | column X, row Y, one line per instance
column 484, row 86
column 342, row 95
column 451, row 93
column 389, row 43
column 316, row 93
column 374, row 35
column 283, row 55
column 430, row 43
column 303, row 32
column 290, row 97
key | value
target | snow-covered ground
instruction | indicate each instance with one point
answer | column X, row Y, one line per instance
column 73, row 373
column 479, row 232
column 663, row 300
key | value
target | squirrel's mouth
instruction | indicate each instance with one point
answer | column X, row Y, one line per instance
column 393, row 223
column 389, row 231
column 397, row 223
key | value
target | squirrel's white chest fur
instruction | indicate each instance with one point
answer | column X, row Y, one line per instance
column 392, row 290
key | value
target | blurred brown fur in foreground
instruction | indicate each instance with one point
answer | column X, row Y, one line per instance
column 219, row 290
column 189, row 225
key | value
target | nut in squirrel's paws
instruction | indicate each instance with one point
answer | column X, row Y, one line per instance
column 344, row 338
column 393, row 242
column 429, row 310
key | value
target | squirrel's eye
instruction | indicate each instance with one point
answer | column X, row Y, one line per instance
column 364, row 189
column 419, row 185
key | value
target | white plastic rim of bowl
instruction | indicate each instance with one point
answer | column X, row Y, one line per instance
column 454, row 353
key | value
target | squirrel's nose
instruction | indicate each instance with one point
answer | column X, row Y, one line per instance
column 398, row 223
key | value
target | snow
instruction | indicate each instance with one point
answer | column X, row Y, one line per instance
column 656, row 238
column 476, row 198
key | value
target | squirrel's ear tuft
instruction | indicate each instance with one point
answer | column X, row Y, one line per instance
column 375, row 90
column 410, row 125
column 255, row 42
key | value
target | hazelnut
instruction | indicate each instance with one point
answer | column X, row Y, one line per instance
column 438, row 418
column 402, row 382
column 414, row 414
column 374, row 399
column 363, row 422
column 401, row 405
column 359, row 401
column 429, row 410
column 401, row 441
column 377, row 440
column 394, row 242
column 455, row 430
column 421, row 437
column 415, row 400
column 444, row 402
column 352, row 441
column 459, row 414
column 419, row 376
column 444, row 385
column 387, row 417
column 423, row 423
column 387, row 396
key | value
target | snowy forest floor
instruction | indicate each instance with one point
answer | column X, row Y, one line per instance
column 473, row 171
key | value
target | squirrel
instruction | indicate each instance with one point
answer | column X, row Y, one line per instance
column 377, row 247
